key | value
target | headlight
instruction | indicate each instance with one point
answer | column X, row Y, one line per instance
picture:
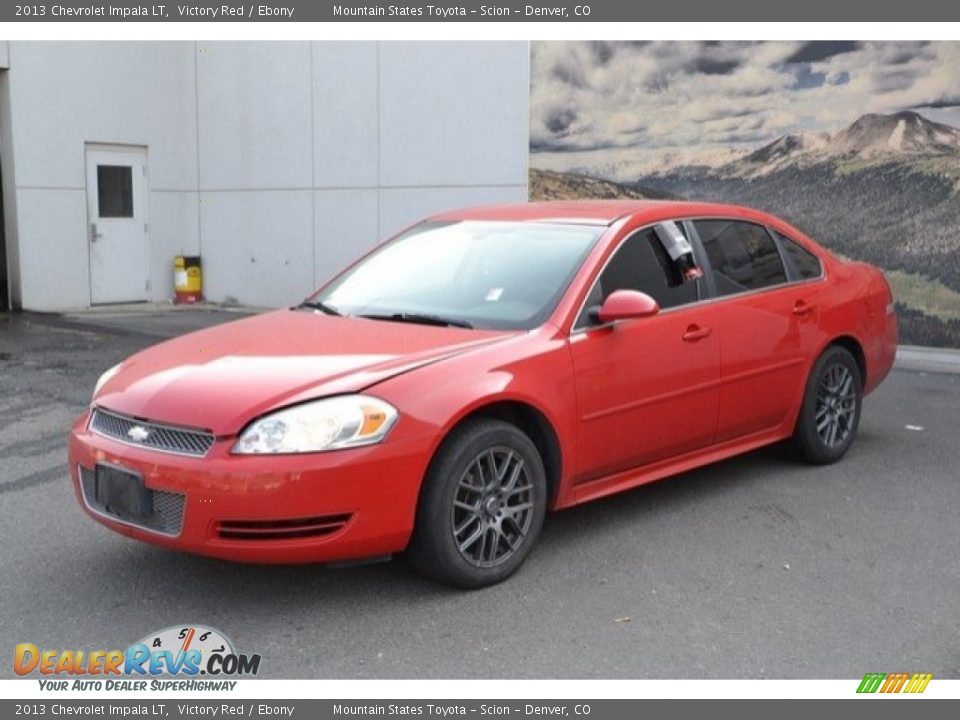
column 104, row 378
column 330, row 424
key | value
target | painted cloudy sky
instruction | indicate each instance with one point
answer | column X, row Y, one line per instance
column 683, row 98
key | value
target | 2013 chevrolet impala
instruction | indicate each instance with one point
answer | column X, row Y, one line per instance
column 484, row 366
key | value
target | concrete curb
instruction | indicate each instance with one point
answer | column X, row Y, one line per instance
column 132, row 309
column 928, row 359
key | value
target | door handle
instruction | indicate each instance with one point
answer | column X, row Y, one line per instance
column 93, row 233
column 802, row 308
column 695, row 332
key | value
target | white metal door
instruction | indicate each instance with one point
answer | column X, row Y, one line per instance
column 117, row 227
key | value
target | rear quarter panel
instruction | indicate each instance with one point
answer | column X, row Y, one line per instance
column 868, row 307
column 856, row 303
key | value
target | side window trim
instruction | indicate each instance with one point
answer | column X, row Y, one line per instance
column 580, row 322
column 712, row 282
column 792, row 272
column 706, row 286
column 788, row 267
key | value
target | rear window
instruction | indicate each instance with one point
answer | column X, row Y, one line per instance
column 805, row 263
column 743, row 255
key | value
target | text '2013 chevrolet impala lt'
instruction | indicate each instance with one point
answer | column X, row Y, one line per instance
column 485, row 366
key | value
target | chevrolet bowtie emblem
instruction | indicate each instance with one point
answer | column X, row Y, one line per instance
column 138, row 433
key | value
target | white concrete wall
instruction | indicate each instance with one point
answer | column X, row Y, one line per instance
column 64, row 95
column 9, row 193
column 277, row 162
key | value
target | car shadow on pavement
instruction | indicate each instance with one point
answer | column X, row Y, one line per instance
column 176, row 574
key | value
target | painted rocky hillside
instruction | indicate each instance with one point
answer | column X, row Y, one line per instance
column 549, row 185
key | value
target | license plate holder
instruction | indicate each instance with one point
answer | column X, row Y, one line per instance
column 122, row 493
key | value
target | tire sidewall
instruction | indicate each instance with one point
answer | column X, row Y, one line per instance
column 808, row 440
column 435, row 518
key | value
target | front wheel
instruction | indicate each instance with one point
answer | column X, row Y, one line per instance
column 481, row 507
column 830, row 414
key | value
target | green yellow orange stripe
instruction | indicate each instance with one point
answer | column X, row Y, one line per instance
column 898, row 682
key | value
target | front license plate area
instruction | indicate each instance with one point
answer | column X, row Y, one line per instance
column 122, row 493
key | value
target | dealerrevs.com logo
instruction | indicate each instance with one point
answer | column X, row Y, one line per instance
column 181, row 651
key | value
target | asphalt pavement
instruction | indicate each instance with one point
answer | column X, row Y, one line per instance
column 756, row 567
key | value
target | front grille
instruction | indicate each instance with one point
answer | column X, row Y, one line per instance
column 151, row 435
column 167, row 516
column 282, row 529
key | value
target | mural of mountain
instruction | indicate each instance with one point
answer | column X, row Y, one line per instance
column 885, row 189
column 857, row 143
column 548, row 185
column 902, row 136
column 899, row 133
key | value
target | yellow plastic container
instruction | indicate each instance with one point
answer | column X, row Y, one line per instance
column 187, row 279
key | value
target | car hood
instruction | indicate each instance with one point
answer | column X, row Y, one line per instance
column 222, row 377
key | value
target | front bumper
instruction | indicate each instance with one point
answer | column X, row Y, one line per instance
column 319, row 507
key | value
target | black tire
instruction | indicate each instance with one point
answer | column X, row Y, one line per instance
column 830, row 414
column 453, row 484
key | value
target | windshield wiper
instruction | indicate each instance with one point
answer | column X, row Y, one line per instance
column 421, row 318
column 322, row 307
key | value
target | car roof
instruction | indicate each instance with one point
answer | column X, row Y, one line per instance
column 584, row 212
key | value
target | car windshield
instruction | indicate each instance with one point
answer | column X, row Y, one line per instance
column 490, row 275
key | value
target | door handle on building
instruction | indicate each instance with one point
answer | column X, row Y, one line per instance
column 93, row 233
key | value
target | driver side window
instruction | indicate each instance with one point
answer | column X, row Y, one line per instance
column 641, row 263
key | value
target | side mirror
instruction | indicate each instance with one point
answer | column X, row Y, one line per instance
column 625, row 305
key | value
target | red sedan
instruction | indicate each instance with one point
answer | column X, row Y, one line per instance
column 481, row 368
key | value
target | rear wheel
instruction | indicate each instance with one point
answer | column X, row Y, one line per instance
column 481, row 507
column 830, row 414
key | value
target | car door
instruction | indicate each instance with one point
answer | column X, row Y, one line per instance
column 646, row 389
column 768, row 326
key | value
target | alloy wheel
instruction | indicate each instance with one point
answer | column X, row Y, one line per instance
column 836, row 405
column 493, row 507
